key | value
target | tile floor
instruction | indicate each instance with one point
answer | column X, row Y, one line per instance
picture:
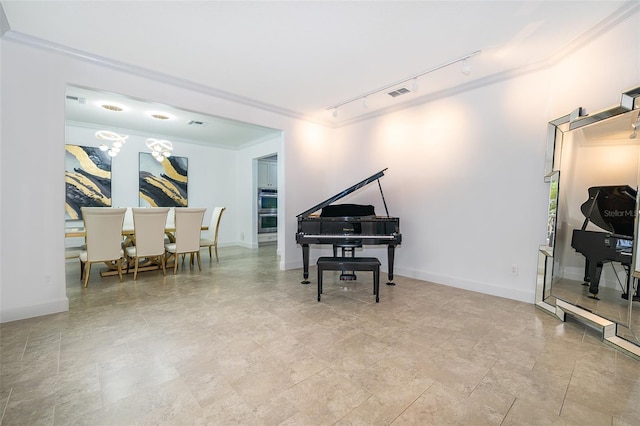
column 244, row 343
column 610, row 304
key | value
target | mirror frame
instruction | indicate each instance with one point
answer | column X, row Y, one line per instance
column 543, row 300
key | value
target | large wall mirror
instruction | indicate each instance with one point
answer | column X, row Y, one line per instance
column 588, row 264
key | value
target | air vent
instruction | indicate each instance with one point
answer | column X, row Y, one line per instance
column 399, row 92
column 77, row 99
column 196, row 123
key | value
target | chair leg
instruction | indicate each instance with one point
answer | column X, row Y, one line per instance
column 216, row 248
column 175, row 265
column 87, row 272
column 210, row 256
column 119, row 263
column 135, row 270
column 81, row 270
column 162, row 260
column 198, row 255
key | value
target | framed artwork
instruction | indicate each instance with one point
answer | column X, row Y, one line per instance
column 87, row 179
column 163, row 184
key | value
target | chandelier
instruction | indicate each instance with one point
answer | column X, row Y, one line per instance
column 117, row 141
column 160, row 148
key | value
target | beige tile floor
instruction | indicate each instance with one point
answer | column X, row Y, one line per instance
column 610, row 304
column 244, row 343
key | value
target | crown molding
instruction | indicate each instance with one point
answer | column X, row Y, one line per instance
column 42, row 44
column 626, row 11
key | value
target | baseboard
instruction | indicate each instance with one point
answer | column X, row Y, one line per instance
column 30, row 311
column 477, row 286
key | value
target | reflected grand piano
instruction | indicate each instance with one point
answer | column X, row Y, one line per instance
column 611, row 208
column 348, row 226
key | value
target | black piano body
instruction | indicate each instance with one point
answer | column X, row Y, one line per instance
column 348, row 226
column 611, row 208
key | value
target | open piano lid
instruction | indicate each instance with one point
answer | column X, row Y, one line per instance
column 612, row 208
column 346, row 192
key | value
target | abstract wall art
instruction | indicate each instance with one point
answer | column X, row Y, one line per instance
column 87, row 179
column 163, row 184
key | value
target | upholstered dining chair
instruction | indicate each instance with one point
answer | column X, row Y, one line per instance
column 187, row 237
column 74, row 253
column 148, row 234
column 211, row 239
column 103, row 229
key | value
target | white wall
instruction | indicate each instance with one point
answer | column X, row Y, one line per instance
column 32, row 168
column 465, row 173
column 247, row 192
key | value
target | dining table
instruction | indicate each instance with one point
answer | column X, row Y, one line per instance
column 128, row 232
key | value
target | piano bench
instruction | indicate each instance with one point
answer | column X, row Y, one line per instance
column 350, row 264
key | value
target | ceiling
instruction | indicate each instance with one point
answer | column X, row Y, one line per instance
column 84, row 108
column 301, row 58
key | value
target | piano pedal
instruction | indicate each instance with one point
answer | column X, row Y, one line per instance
column 348, row 276
column 635, row 298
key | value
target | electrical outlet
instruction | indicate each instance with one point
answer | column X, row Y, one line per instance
column 514, row 269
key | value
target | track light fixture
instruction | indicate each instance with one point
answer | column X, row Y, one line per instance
column 635, row 127
column 466, row 68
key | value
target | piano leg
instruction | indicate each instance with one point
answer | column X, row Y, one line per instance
column 305, row 264
column 632, row 286
column 595, row 270
column 587, row 279
column 391, row 250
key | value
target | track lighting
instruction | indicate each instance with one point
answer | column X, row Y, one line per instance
column 466, row 69
column 635, row 127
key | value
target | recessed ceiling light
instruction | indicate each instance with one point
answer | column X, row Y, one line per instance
column 160, row 115
column 112, row 107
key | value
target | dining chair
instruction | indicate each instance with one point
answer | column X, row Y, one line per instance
column 128, row 219
column 74, row 253
column 188, row 221
column 103, row 229
column 212, row 234
column 148, row 234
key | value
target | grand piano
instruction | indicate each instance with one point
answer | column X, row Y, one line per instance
column 611, row 208
column 348, row 226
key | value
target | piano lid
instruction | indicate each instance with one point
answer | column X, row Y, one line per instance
column 612, row 208
column 343, row 193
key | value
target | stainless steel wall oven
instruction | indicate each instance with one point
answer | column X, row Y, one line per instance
column 267, row 210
